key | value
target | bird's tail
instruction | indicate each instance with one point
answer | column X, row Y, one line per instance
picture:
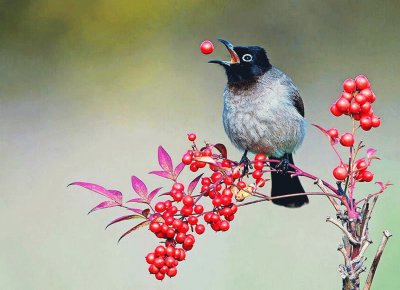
column 283, row 184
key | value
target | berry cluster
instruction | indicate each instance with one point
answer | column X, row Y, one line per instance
column 163, row 261
column 356, row 101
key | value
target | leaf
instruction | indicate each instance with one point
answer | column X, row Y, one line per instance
column 222, row 149
column 370, row 154
column 99, row 189
column 117, row 194
column 153, row 194
column 142, row 224
column 146, row 212
column 165, row 160
column 136, row 210
column 165, row 193
column 104, row 204
column 163, row 174
column 125, row 218
column 139, row 187
column 193, row 184
column 178, row 169
column 206, row 159
column 333, row 141
column 139, row 200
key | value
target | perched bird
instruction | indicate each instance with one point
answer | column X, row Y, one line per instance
column 264, row 113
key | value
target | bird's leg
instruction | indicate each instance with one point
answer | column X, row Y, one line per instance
column 246, row 161
column 284, row 164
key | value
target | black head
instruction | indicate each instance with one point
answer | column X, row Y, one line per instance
column 247, row 62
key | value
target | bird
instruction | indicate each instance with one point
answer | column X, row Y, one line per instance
column 264, row 113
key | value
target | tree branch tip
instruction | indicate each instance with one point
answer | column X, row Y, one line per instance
column 387, row 234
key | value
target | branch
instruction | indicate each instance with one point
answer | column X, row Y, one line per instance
column 347, row 261
column 385, row 238
column 344, row 230
column 368, row 217
column 320, row 184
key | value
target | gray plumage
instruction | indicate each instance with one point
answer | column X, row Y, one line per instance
column 266, row 115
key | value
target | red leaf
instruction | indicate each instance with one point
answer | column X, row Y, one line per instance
column 178, row 169
column 323, row 130
column 142, row 224
column 104, row 204
column 99, row 189
column 124, row 218
column 139, row 200
column 222, row 149
column 139, row 187
column 137, row 210
column 165, row 160
column 163, row 174
column 193, row 184
column 153, row 194
column 117, row 194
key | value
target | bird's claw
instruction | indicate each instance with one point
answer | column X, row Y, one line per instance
column 246, row 162
column 284, row 164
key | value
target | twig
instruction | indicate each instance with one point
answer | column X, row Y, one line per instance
column 344, row 230
column 319, row 183
column 368, row 217
column 385, row 238
column 347, row 261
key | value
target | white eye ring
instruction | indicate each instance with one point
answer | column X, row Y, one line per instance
column 247, row 57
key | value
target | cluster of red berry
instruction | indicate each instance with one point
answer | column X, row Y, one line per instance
column 356, row 101
column 163, row 261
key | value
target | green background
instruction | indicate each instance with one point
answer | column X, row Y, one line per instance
column 89, row 89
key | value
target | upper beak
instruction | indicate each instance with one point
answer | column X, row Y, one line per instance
column 234, row 56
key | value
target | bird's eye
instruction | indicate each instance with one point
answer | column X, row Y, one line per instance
column 247, row 57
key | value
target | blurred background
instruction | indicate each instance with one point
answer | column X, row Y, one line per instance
column 89, row 89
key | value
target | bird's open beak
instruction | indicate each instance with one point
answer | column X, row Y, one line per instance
column 234, row 56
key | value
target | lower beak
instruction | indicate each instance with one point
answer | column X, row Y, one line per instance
column 234, row 57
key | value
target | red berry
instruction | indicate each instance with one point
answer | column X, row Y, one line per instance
column 349, row 85
column 226, row 163
column 354, row 108
column 215, row 227
column 228, row 180
column 206, row 152
column 193, row 167
column 172, row 272
column 170, row 233
column 236, row 173
column 186, row 210
column 178, row 196
column 201, row 164
column 150, row 258
column 207, row 217
column 180, row 237
column 170, row 262
column 340, row 173
column 173, row 210
column 260, row 157
column 200, row 229
column 187, row 159
column 206, row 47
column 214, row 218
column 230, row 218
column 177, row 224
column 333, row 133
column 216, row 176
column 159, row 251
column 159, row 207
column 170, row 251
column 184, row 228
column 192, row 220
column 367, row 176
column 178, row 186
column 188, row 200
column 335, row 111
column 342, row 105
column 224, row 226
column 234, row 208
column 260, row 182
column 375, row 121
column 368, row 94
column 366, row 123
column 362, row 165
column 362, row 82
column 372, row 98
column 198, row 209
column 217, row 201
column 257, row 174
column 360, row 98
column 241, row 184
column 227, row 192
column 206, row 181
column 153, row 269
column 226, row 200
column 160, row 276
column 191, row 137
column 155, row 227
column 159, row 262
column 347, row 139
column 258, row 165
column 347, row 96
column 366, row 107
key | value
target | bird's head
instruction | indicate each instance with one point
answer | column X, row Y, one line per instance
column 247, row 62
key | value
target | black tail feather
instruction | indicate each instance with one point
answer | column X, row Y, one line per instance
column 283, row 184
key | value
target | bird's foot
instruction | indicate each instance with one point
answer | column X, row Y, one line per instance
column 284, row 164
column 246, row 162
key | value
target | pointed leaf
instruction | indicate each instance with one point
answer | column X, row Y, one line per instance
column 139, row 187
column 99, row 189
column 137, row 210
column 117, row 194
column 138, row 199
column 142, row 224
column 124, row 218
column 163, row 174
column 153, row 194
column 193, row 184
column 370, row 154
column 104, row 204
column 164, row 194
column 178, row 169
column 222, row 149
column 165, row 160
column 146, row 212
